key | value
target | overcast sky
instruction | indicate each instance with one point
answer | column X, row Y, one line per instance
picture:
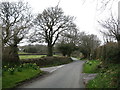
column 86, row 14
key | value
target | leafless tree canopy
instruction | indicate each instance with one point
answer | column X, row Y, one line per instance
column 50, row 24
column 111, row 27
column 70, row 36
column 103, row 4
column 15, row 20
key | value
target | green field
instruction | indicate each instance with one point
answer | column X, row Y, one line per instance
column 30, row 56
column 23, row 53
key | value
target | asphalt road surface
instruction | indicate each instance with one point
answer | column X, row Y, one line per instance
column 68, row 76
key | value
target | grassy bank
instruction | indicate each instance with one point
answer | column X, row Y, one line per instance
column 13, row 76
column 91, row 66
column 107, row 78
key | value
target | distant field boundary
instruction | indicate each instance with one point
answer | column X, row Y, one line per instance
column 33, row 54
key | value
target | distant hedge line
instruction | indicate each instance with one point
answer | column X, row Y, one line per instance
column 48, row 61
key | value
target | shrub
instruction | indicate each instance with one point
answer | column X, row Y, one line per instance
column 66, row 48
column 112, row 53
column 109, row 53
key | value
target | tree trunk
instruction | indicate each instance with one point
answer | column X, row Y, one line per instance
column 50, row 50
column 10, row 55
column 85, row 55
column 119, row 44
column 69, row 54
column 88, row 56
column 63, row 54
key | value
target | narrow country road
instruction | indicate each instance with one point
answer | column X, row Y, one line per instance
column 68, row 76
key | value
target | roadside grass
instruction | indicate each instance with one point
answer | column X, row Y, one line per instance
column 107, row 78
column 83, row 59
column 30, row 56
column 91, row 66
column 12, row 76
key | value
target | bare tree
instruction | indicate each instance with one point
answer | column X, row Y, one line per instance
column 15, row 21
column 49, row 25
column 102, row 4
column 111, row 28
column 70, row 36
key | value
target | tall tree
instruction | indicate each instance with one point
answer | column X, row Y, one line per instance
column 49, row 25
column 111, row 28
column 15, row 21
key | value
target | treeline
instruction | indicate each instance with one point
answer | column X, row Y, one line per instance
column 79, row 45
column 41, row 49
column 52, row 27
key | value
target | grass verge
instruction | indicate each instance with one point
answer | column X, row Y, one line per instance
column 107, row 78
column 91, row 66
column 12, row 77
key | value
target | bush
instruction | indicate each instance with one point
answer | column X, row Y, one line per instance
column 109, row 53
column 112, row 53
column 66, row 48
